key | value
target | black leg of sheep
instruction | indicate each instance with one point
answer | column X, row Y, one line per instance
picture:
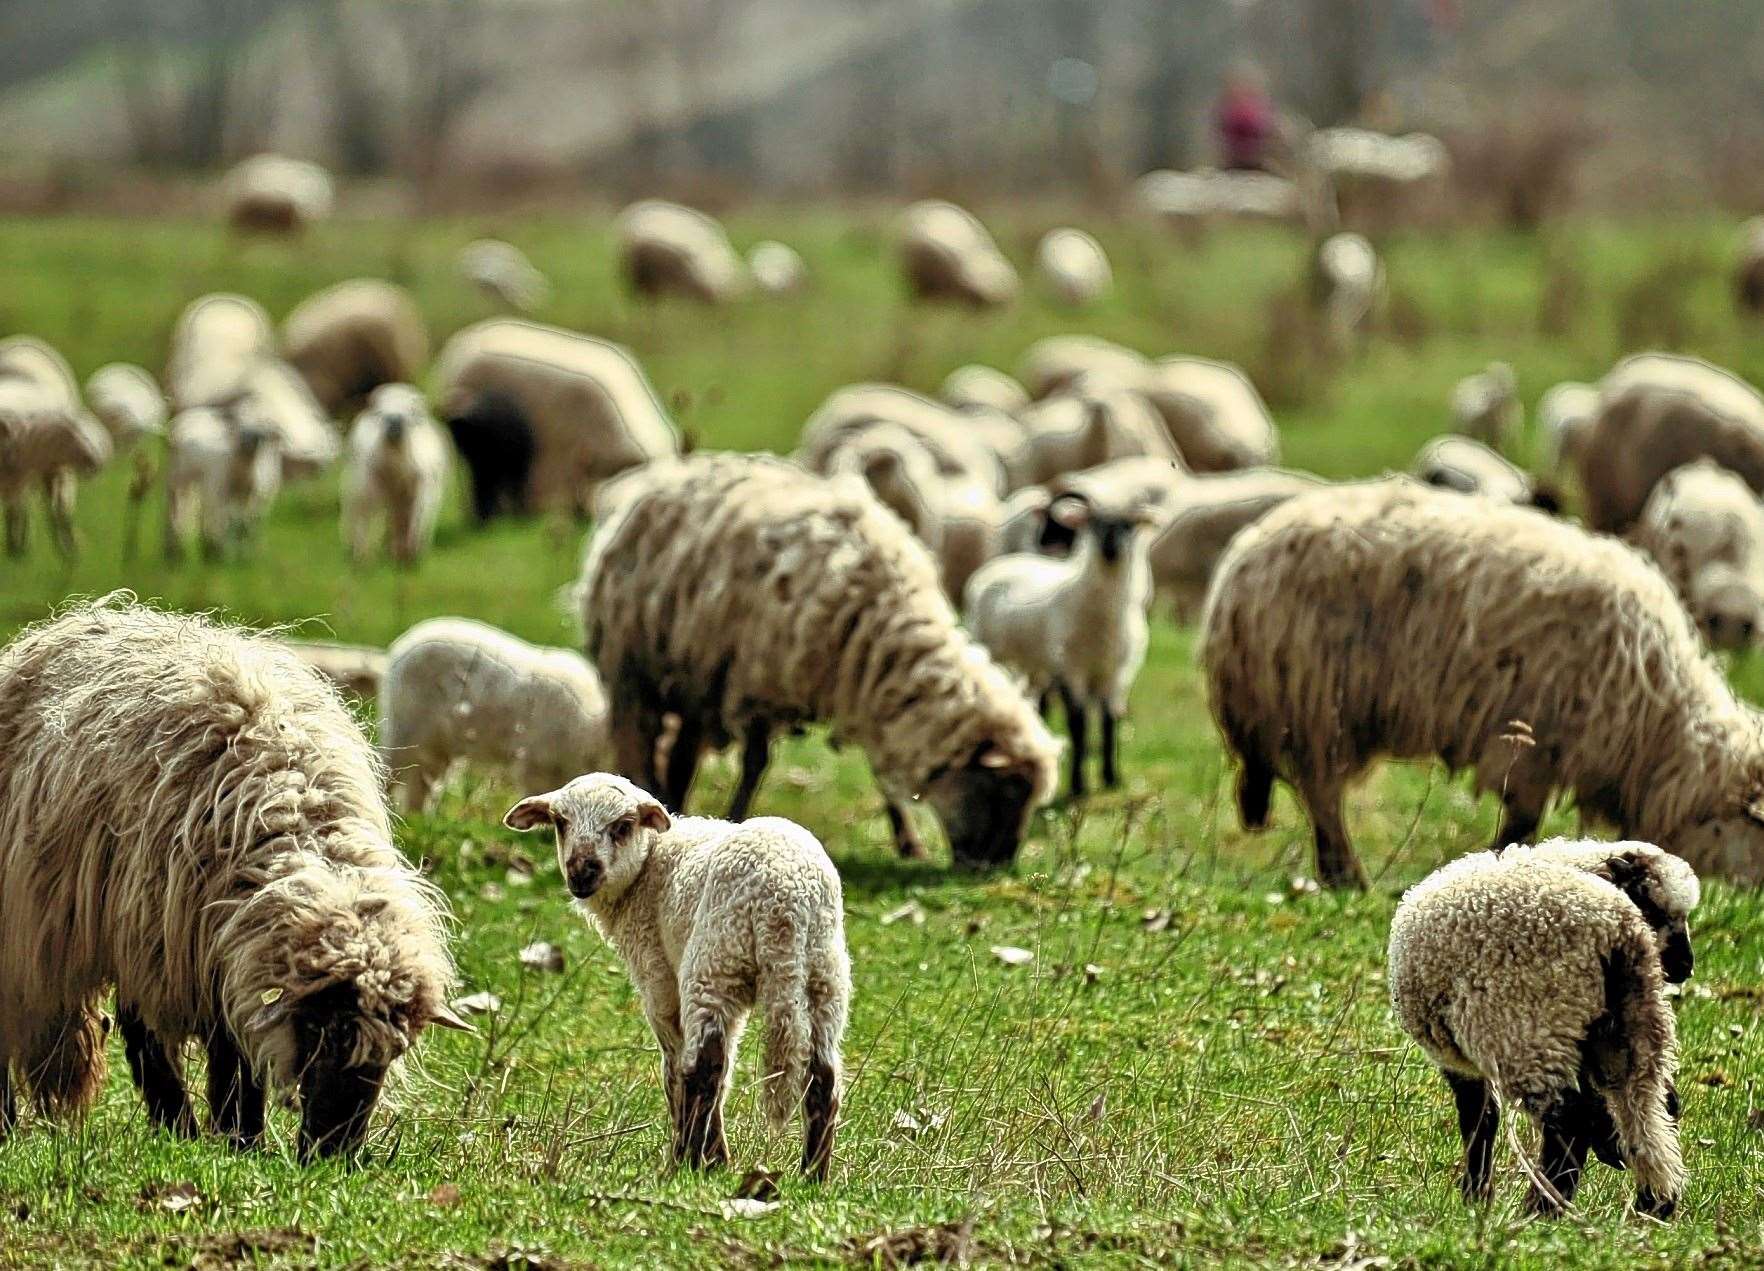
column 1570, row 1125
column 683, row 759
column 235, row 1099
column 1479, row 1117
column 156, row 1075
column 1078, row 728
column 700, row 1130
column 820, row 1119
column 1110, row 773
column 8, row 1103
column 756, row 753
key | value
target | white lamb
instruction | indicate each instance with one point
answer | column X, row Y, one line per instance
column 221, row 475
column 398, row 462
column 711, row 919
column 503, row 275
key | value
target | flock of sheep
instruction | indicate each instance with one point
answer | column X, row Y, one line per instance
column 923, row 577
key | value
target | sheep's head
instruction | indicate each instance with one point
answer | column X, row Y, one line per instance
column 984, row 805
column 1665, row 889
column 1727, row 607
column 605, row 826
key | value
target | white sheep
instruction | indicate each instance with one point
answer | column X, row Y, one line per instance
column 1380, row 619
column 455, row 689
column 503, row 275
column 1189, row 200
column 1203, row 515
column 1467, row 466
column 947, row 254
column 1705, row 529
column 350, row 338
column 223, row 470
column 1378, row 180
column 777, row 268
column 356, row 669
column 1090, row 421
column 1073, row 266
column 1486, row 405
column 217, row 340
column 397, row 470
column 1213, row 413
column 982, row 386
column 128, row 402
column 965, row 444
column 47, row 440
column 712, row 919
column 273, row 194
column 1532, row 979
column 666, row 249
column 1348, row 286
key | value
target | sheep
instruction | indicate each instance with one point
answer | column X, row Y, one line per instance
column 974, row 385
column 1658, row 411
column 356, row 669
column 1486, row 405
column 1213, row 413
column 1536, row 982
column 1748, row 273
column 1467, row 466
column 457, row 689
column 128, row 402
column 1661, row 886
column 47, row 438
column 565, row 410
column 1705, row 529
column 1379, row 180
column 1564, row 419
column 223, row 469
column 776, row 268
column 1077, row 625
column 398, row 464
column 901, row 472
column 1190, row 199
column 1201, row 518
column 1089, row 422
column 960, row 442
column 1074, row 267
column 1347, row 286
column 744, row 594
column 349, row 339
column 217, row 340
column 712, row 919
column 1055, row 362
column 503, row 275
column 666, row 249
column 273, row 194
column 946, row 254
column 1381, row 619
column 190, row 815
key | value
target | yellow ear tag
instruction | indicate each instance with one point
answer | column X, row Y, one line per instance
column 271, row 995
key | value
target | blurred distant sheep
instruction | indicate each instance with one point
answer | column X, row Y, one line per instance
column 669, row 250
column 1459, row 463
column 776, row 268
column 397, row 471
column 1347, row 286
column 1705, row 529
column 1213, row 413
column 223, row 469
column 1486, row 406
column 1379, row 180
column 1564, row 418
column 273, row 194
column 349, row 339
column 1191, row 199
column 1748, row 273
column 1074, row 266
column 976, row 385
column 503, row 275
column 947, row 254
column 47, row 439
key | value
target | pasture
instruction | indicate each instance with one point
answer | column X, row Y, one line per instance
column 1196, row 1064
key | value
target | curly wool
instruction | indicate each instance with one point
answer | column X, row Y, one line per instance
column 784, row 597
column 189, row 814
column 1705, row 529
column 350, row 338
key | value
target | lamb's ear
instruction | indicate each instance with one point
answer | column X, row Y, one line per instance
column 1622, row 870
column 530, row 813
column 652, row 816
column 443, row 1017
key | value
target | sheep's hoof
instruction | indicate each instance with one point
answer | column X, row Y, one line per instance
column 1655, row 1206
column 1475, row 1191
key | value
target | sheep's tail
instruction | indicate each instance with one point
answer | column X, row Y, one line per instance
column 784, row 993
column 1641, row 1095
column 65, row 1067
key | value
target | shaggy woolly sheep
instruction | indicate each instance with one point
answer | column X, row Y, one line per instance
column 457, row 689
column 746, row 595
column 398, row 463
column 503, row 275
column 349, row 339
column 946, row 254
column 982, row 386
column 1202, row 517
column 273, row 194
column 1538, row 981
column 128, row 402
column 776, row 268
column 1073, row 266
column 584, row 405
column 1469, row 467
column 1705, row 529
column 223, row 469
column 1379, row 619
column 1748, row 272
column 1090, row 421
column 956, row 440
column 190, row 815
column 712, row 919
column 1564, row 419
column 1486, row 405
column 1213, row 414
column 669, row 250
column 1055, row 362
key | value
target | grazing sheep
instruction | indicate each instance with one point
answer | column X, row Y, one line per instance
column 946, row 254
column 1657, row 412
column 356, row 669
column 1346, row 287
column 669, row 250
column 349, row 339
column 974, row 385
column 1705, row 529
column 1055, row 362
column 1486, row 405
column 26, row 359
column 957, row 440
column 1379, row 180
column 566, row 410
column 1204, row 515
column 776, row 268
column 128, row 402
column 1090, row 421
column 47, row 439
column 1564, row 420
column 1664, row 888
column 1379, row 619
column 1189, row 200
column 457, row 689
column 746, row 595
column 1748, row 273
column 1213, row 413
column 216, row 342
column 713, row 919
column 503, row 275
column 1074, row 267
column 272, row 194
column 1537, row 983
column 1076, row 625
column 223, row 469
column 901, row 472
column 1469, row 467
column 398, row 463
column 190, row 815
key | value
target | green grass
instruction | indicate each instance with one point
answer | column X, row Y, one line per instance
column 1228, row 1087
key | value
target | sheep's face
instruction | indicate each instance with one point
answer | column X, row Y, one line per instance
column 984, row 806
column 1727, row 608
column 604, row 826
column 1665, row 889
column 338, row 1090
column 1730, row 847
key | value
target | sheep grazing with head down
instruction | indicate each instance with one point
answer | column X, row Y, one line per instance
column 128, row 402
column 1213, row 413
column 273, row 194
column 1705, row 529
column 669, row 250
column 1467, row 466
column 1073, row 266
column 746, row 595
column 223, row 470
column 777, row 268
column 47, row 439
column 191, row 816
column 397, row 472
column 1486, row 405
column 349, row 339
column 1379, row 619
column 503, row 275
column 1534, row 978
column 947, row 254
column 711, row 920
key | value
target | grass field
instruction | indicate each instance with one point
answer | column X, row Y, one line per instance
column 1198, row 1066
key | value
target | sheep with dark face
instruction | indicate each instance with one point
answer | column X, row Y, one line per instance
column 349, row 339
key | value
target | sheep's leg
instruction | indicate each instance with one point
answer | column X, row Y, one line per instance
column 1078, row 728
column 18, row 530
column 58, row 502
column 702, row 1083
column 1337, row 866
column 1255, row 791
column 1110, row 773
column 636, row 713
column 235, row 1098
column 8, row 1101
column 1479, row 1118
column 820, row 1118
column 1044, row 702
column 682, row 766
column 756, row 753
column 156, row 1075
column 1567, row 1134
column 906, row 839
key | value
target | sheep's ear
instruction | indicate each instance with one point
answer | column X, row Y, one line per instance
column 443, row 1017
column 652, row 816
column 530, row 813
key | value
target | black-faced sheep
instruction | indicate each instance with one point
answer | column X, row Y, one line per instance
column 397, row 472
column 349, row 339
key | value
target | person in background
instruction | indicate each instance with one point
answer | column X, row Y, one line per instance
column 1246, row 120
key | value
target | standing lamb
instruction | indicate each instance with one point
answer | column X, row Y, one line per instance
column 946, row 254
column 669, row 250
column 1705, row 529
column 1486, row 405
column 712, row 919
column 457, row 689
column 223, row 469
column 1213, row 413
column 1379, row 619
column 1536, row 983
column 398, row 462
column 190, row 815
column 746, row 595
column 1074, row 267
column 503, row 275
column 349, row 339
column 1469, row 467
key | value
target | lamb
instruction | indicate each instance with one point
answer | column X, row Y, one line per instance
column 273, row 194
column 1658, row 411
column 190, row 815
column 566, row 410
column 1055, row 362
column 1213, row 413
column 1204, row 515
column 1469, row 467
column 46, row 438
column 1346, row 287
column 503, row 275
column 946, row 254
column 712, row 919
column 1536, row 982
column 1089, row 422
column 1748, row 273
column 1705, row 529
column 223, row 470
column 349, row 339
column 1564, row 419
column 745, row 595
column 128, row 402
column 1077, row 624
column 974, row 385
column 398, row 464
column 457, row 689
column 666, row 249
column 1379, row 619
column 1660, row 885
column 1486, row 405
column 1074, row 267
column 776, row 268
